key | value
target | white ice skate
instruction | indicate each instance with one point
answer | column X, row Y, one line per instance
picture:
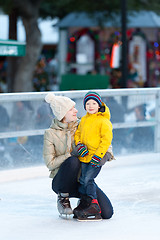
column 63, row 206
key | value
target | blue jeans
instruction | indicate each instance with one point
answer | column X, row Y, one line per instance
column 87, row 183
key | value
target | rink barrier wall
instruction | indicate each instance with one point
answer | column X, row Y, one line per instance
column 136, row 93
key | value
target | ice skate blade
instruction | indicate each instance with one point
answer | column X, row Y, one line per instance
column 66, row 216
column 89, row 219
column 66, row 211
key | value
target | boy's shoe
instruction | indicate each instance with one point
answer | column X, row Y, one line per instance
column 83, row 203
column 63, row 204
column 93, row 212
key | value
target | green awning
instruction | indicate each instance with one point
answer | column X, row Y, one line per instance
column 12, row 48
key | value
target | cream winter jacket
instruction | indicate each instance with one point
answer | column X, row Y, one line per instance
column 58, row 144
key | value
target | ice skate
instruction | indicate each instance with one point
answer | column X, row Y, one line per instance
column 63, row 205
column 89, row 218
column 91, row 213
column 83, row 203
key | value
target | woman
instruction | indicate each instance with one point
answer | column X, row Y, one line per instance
column 61, row 158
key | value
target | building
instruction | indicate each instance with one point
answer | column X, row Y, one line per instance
column 88, row 45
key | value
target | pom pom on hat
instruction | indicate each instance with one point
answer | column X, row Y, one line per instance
column 60, row 105
column 49, row 97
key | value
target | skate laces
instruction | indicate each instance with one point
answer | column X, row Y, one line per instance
column 64, row 201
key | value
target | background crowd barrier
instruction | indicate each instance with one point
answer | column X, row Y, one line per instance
column 135, row 115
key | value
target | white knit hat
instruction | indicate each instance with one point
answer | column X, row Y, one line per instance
column 60, row 105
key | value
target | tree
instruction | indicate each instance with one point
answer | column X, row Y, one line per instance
column 12, row 61
column 61, row 8
column 31, row 10
column 28, row 10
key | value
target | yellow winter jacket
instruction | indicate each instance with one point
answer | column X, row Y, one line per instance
column 95, row 131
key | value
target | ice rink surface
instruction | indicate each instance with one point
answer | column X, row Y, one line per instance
column 132, row 183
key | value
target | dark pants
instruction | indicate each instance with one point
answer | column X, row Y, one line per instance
column 86, row 180
column 65, row 181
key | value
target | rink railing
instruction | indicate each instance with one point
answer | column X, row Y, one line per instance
column 137, row 94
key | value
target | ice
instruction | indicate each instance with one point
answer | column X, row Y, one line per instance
column 28, row 205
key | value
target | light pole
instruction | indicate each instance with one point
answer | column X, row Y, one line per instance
column 124, row 42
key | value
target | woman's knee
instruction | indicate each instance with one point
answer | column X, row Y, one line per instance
column 107, row 213
column 72, row 163
column 105, row 204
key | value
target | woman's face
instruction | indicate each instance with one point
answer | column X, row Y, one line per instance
column 71, row 115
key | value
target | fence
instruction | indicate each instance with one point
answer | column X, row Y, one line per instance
column 135, row 114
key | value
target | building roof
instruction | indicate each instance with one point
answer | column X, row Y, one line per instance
column 142, row 19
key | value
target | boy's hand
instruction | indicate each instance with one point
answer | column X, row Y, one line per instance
column 82, row 150
column 95, row 161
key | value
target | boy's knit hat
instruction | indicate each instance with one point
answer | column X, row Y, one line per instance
column 92, row 95
column 60, row 105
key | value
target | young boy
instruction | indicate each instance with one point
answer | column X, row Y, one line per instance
column 93, row 139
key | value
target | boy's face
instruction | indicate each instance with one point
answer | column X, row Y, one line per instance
column 92, row 106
